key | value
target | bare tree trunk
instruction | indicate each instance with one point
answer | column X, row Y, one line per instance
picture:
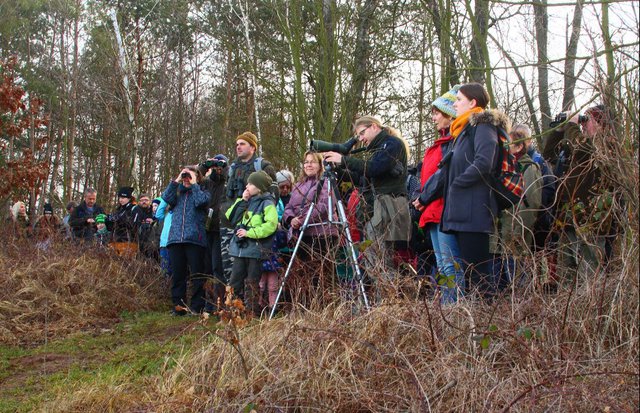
column 442, row 21
column 228, row 98
column 479, row 19
column 325, row 91
column 421, row 115
column 55, row 166
column 74, row 102
column 570, row 61
column 360, row 74
column 244, row 18
column 610, row 87
column 541, row 24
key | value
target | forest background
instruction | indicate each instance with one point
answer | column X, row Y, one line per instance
column 114, row 93
column 110, row 93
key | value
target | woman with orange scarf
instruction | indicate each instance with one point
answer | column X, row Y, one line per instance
column 469, row 203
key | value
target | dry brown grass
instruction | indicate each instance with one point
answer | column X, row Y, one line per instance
column 66, row 289
column 573, row 351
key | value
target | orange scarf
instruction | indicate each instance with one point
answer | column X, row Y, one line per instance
column 461, row 121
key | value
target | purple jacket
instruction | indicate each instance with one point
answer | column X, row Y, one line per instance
column 298, row 206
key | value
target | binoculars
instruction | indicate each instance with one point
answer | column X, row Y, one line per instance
column 208, row 164
column 562, row 117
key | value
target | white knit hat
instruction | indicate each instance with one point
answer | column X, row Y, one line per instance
column 283, row 176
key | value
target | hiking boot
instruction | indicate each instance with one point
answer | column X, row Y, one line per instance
column 178, row 311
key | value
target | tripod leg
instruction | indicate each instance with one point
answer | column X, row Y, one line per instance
column 293, row 256
column 353, row 257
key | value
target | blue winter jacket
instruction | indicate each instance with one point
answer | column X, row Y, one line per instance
column 189, row 206
column 164, row 216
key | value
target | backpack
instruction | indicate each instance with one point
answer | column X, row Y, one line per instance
column 506, row 180
column 233, row 190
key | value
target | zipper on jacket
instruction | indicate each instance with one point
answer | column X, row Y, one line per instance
column 184, row 211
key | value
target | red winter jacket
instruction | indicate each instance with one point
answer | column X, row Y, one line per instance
column 433, row 156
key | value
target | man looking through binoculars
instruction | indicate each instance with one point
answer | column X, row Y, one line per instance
column 584, row 201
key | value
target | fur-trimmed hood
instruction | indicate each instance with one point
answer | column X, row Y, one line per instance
column 494, row 117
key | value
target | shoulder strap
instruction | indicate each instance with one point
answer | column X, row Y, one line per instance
column 232, row 169
column 257, row 164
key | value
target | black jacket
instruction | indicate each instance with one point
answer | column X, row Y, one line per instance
column 121, row 224
column 81, row 229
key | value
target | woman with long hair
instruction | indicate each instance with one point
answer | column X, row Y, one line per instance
column 469, row 202
column 20, row 219
column 320, row 235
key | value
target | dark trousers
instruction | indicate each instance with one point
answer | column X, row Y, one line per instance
column 214, row 255
column 474, row 252
column 247, row 270
column 187, row 261
column 216, row 292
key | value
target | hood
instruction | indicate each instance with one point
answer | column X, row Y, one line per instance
column 494, row 117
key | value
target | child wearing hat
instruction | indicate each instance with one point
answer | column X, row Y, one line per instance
column 255, row 219
column 102, row 234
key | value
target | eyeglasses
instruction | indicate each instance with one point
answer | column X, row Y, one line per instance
column 361, row 133
column 310, row 162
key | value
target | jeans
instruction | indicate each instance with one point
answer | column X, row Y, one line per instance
column 165, row 262
column 449, row 264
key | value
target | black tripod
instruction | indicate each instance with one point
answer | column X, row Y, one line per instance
column 328, row 176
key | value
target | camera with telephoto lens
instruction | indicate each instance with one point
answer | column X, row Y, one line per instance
column 562, row 117
column 210, row 163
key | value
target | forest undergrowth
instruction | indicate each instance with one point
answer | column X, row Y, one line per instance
column 574, row 350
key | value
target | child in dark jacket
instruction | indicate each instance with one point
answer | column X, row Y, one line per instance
column 255, row 219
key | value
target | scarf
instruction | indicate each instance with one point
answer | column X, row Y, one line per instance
column 461, row 121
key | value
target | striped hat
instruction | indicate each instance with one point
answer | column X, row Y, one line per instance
column 445, row 102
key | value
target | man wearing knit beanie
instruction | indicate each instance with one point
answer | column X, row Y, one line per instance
column 248, row 137
column 247, row 162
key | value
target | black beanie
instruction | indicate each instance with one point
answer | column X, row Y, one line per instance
column 125, row 192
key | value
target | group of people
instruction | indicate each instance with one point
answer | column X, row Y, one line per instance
column 222, row 223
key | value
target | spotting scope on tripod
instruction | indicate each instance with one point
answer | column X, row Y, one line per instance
column 346, row 148
column 329, row 177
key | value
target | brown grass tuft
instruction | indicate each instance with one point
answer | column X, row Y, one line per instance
column 68, row 288
column 573, row 351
